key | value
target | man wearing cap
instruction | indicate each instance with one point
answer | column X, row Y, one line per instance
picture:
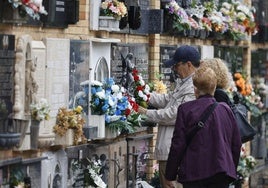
column 184, row 63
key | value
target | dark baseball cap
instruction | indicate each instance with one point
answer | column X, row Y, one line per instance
column 183, row 54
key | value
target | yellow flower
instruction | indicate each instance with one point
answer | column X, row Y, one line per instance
column 160, row 87
column 78, row 109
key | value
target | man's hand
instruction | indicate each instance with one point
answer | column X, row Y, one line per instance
column 170, row 184
column 142, row 110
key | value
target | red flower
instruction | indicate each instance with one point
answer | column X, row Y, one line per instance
column 135, row 107
column 136, row 78
column 139, row 88
column 134, row 72
column 127, row 112
column 25, row 1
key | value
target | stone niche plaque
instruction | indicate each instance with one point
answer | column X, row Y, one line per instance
column 7, row 44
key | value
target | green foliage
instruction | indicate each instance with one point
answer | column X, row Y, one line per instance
column 16, row 177
column 155, row 181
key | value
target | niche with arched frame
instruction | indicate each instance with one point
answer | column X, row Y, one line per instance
column 101, row 70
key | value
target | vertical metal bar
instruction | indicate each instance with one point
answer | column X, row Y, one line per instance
column 115, row 171
column 127, row 165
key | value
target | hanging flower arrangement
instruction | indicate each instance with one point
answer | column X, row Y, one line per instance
column 93, row 177
column 113, row 8
column 241, row 20
column 31, row 7
column 180, row 17
column 232, row 19
column 245, row 93
column 245, row 166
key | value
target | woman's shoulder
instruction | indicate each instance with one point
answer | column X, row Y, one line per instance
column 202, row 101
column 222, row 96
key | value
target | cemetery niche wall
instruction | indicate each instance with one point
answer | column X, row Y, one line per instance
column 18, row 88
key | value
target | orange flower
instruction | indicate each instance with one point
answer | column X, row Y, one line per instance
column 237, row 75
column 242, row 86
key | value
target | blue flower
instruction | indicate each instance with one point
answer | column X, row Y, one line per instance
column 105, row 107
column 93, row 90
column 96, row 101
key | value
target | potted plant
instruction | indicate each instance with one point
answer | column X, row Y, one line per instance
column 113, row 8
column 111, row 12
column 16, row 179
column 69, row 126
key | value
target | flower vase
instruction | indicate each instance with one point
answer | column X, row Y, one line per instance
column 8, row 14
column 65, row 140
column 109, row 133
column 108, row 23
column 203, row 34
column 98, row 121
column 34, row 128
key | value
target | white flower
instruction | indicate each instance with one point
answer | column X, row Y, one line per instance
column 241, row 16
column 94, row 169
column 40, row 110
column 142, row 83
column 96, row 83
column 118, row 95
column 115, row 88
column 145, row 98
column 140, row 94
column 147, row 89
column 101, row 94
column 111, row 101
column 123, row 90
column 226, row 5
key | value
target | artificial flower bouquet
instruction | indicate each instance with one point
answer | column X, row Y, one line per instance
column 115, row 117
column 122, row 115
column 158, row 86
column 245, row 166
column 231, row 18
column 93, row 178
column 241, row 18
column 141, row 89
column 70, row 119
column 98, row 103
column 92, row 172
column 119, row 108
column 180, row 17
column 246, row 94
column 31, row 7
column 113, row 8
column 40, row 110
